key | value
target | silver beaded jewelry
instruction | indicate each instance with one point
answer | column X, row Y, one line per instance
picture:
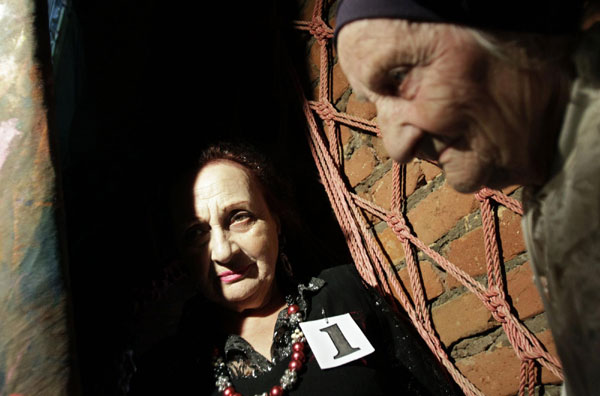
column 290, row 375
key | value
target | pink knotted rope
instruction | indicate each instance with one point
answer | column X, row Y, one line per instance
column 368, row 257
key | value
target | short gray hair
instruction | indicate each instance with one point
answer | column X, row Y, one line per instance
column 527, row 50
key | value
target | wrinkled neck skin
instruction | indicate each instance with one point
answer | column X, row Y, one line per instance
column 543, row 98
column 255, row 325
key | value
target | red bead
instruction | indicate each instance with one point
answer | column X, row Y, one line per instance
column 295, row 365
column 298, row 355
column 276, row 391
column 229, row 391
column 298, row 346
column 293, row 309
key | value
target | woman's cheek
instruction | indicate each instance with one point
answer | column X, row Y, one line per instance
column 259, row 239
column 436, row 109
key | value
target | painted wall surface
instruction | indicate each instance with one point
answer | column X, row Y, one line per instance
column 33, row 322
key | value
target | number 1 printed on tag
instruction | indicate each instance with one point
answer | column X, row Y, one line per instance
column 336, row 341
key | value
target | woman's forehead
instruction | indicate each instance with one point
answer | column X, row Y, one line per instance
column 223, row 180
column 398, row 32
column 374, row 31
column 368, row 42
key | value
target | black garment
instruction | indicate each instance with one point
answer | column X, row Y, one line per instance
column 401, row 364
column 532, row 16
column 244, row 361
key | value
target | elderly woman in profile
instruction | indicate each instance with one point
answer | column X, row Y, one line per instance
column 243, row 334
column 500, row 93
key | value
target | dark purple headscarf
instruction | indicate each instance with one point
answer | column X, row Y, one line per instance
column 531, row 16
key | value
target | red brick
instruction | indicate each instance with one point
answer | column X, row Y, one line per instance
column 314, row 61
column 461, row 317
column 340, row 82
column 522, row 291
column 360, row 165
column 497, row 372
column 392, row 245
column 380, row 151
column 414, row 177
column 468, row 251
column 510, row 189
column 330, row 17
column 371, row 219
column 494, row 372
column 430, row 170
column 360, row 108
column 431, row 280
column 315, row 94
column 437, row 213
column 331, row 22
column 511, row 233
column 382, row 191
column 547, row 340
column 345, row 134
column 364, row 194
column 468, row 254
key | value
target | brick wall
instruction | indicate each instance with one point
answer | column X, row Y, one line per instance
column 450, row 223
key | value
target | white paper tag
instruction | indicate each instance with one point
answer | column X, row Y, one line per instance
column 336, row 340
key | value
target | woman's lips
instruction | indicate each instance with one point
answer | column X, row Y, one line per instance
column 232, row 276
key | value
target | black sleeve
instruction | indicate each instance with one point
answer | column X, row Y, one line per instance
column 407, row 358
column 408, row 351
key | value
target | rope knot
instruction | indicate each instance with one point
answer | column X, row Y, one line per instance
column 398, row 225
column 530, row 354
column 484, row 194
column 325, row 111
column 320, row 30
column 497, row 304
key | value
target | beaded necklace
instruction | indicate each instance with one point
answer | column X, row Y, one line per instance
column 290, row 375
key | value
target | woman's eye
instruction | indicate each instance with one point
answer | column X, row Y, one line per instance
column 240, row 219
column 195, row 235
column 398, row 74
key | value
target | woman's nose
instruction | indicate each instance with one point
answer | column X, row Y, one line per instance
column 221, row 246
column 399, row 139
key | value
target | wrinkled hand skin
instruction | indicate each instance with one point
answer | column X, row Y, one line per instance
column 34, row 348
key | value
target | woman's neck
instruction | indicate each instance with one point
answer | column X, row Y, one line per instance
column 256, row 325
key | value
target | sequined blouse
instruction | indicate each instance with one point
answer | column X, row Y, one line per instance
column 401, row 363
column 244, row 361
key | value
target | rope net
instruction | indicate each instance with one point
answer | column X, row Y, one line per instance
column 372, row 264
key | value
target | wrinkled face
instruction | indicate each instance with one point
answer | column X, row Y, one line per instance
column 230, row 240
column 439, row 96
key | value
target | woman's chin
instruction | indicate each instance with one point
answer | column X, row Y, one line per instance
column 242, row 295
column 465, row 185
column 467, row 176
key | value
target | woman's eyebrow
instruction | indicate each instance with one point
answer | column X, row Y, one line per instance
column 236, row 204
column 225, row 209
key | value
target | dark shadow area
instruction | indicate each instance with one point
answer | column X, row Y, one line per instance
column 141, row 87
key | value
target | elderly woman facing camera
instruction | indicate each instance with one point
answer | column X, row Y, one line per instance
column 255, row 328
column 497, row 94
